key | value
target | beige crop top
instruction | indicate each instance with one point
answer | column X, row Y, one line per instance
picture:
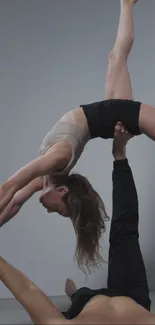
column 66, row 130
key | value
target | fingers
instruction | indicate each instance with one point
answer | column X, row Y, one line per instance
column 120, row 128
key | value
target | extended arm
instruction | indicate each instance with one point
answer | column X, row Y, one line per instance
column 19, row 199
column 54, row 160
column 39, row 307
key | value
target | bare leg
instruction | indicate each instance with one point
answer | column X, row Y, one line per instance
column 118, row 84
column 147, row 121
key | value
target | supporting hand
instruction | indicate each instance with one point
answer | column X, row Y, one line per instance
column 121, row 137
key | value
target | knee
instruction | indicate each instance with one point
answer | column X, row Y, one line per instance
column 114, row 57
column 121, row 49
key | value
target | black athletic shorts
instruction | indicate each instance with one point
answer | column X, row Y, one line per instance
column 103, row 116
column 126, row 271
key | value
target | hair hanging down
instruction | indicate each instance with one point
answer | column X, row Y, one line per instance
column 88, row 214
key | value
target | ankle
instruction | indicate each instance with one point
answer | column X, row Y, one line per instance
column 127, row 3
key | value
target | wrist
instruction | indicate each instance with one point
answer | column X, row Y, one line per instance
column 119, row 156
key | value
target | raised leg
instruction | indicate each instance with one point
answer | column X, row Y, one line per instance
column 126, row 266
column 118, row 84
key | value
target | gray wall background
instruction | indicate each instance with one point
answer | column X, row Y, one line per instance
column 53, row 57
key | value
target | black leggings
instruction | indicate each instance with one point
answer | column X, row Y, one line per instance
column 126, row 271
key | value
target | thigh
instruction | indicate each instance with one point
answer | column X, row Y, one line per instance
column 118, row 83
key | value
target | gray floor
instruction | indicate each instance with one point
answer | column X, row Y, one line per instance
column 11, row 312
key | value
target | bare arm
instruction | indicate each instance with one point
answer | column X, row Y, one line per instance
column 19, row 199
column 54, row 160
column 39, row 307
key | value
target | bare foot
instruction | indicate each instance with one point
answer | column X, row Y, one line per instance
column 121, row 137
column 70, row 287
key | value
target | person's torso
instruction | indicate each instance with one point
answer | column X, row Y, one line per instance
column 114, row 310
column 72, row 128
